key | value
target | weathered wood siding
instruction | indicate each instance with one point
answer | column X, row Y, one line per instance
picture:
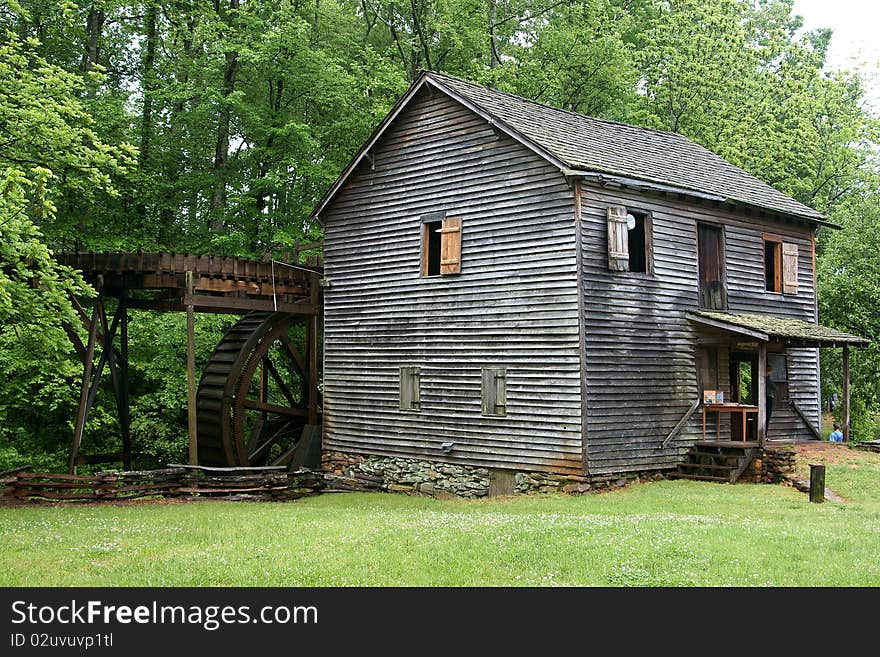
column 640, row 349
column 514, row 305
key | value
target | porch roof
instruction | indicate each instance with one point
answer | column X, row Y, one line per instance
column 764, row 328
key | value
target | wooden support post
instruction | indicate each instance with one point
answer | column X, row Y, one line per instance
column 115, row 364
column 313, row 368
column 124, row 406
column 191, row 373
column 817, row 482
column 762, row 393
column 845, row 417
column 84, row 391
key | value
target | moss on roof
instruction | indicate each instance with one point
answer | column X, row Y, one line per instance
column 790, row 329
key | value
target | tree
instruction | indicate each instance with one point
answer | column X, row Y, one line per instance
column 849, row 296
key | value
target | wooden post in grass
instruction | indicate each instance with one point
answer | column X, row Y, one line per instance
column 817, row 482
column 845, row 417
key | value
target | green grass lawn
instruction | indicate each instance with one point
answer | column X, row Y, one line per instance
column 668, row 533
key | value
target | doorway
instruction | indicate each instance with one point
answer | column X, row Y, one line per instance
column 744, row 390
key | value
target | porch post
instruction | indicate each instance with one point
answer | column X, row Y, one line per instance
column 845, row 393
column 762, row 393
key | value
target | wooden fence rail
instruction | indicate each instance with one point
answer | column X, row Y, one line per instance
column 234, row 483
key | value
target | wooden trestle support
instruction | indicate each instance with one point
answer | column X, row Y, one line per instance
column 257, row 402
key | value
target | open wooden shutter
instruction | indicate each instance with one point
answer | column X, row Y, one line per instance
column 450, row 246
column 789, row 268
column 618, row 241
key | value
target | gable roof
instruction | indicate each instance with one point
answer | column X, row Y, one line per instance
column 606, row 150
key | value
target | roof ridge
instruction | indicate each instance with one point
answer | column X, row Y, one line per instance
column 519, row 98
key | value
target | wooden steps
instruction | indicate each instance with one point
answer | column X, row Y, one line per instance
column 684, row 475
column 720, row 461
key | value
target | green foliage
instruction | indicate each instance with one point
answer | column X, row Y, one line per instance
column 158, row 382
column 849, row 295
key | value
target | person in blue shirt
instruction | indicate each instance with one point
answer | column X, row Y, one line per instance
column 836, row 435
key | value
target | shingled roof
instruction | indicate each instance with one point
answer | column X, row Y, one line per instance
column 593, row 146
column 765, row 328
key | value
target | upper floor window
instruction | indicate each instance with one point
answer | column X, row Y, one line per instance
column 780, row 265
column 441, row 244
column 710, row 256
column 629, row 240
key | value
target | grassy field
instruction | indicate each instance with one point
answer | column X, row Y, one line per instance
column 669, row 533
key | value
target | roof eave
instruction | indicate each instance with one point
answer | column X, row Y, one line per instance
column 604, row 178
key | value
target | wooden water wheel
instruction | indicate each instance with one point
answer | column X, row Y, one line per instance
column 252, row 400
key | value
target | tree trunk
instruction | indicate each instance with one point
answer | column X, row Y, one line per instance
column 148, row 84
column 494, row 59
column 94, row 26
column 221, row 150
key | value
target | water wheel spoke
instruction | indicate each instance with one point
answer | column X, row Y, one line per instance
column 255, row 436
column 288, row 456
column 280, row 382
column 255, row 405
column 262, row 451
column 294, row 353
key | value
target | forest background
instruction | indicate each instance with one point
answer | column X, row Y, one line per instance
column 214, row 127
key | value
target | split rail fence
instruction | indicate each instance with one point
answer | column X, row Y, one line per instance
column 268, row 483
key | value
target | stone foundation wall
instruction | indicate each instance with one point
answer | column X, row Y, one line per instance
column 418, row 477
column 771, row 465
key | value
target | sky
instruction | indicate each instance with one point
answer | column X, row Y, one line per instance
column 854, row 42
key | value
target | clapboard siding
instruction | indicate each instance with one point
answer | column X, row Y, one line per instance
column 514, row 305
column 640, row 368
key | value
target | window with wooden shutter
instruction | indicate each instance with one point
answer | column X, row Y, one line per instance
column 772, row 263
column 450, row 246
column 494, row 391
column 441, row 245
column 618, row 242
column 410, row 381
column 789, row 268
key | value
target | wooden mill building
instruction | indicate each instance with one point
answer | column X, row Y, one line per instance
column 514, row 287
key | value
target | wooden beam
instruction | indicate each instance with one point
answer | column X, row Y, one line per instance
column 762, row 393
column 79, row 427
column 799, row 411
column 684, row 418
column 205, row 303
column 313, row 369
column 191, row 374
column 845, row 393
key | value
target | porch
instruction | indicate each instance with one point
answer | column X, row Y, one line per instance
column 758, row 387
column 758, row 354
